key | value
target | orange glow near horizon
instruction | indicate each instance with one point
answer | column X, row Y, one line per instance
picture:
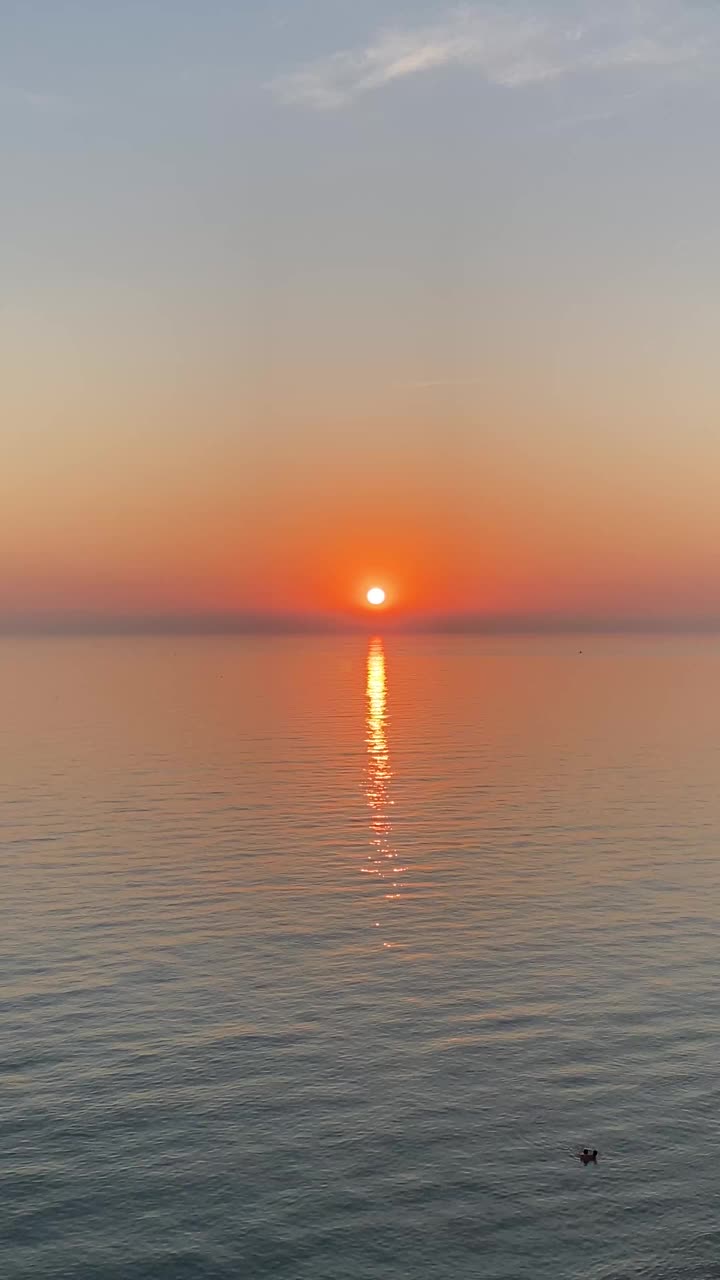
column 106, row 537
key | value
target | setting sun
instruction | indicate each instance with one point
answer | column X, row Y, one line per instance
column 376, row 596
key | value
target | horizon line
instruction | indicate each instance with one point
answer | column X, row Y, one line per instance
column 207, row 624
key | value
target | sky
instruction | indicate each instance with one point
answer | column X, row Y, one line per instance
column 308, row 295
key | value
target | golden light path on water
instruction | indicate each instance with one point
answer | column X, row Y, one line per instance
column 383, row 861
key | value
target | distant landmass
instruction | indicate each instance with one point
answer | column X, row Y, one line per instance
column 236, row 623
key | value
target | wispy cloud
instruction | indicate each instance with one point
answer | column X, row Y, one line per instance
column 430, row 384
column 511, row 48
column 13, row 95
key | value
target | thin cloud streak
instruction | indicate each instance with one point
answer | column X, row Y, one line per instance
column 513, row 50
column 33, row 99
column 193, row 624
column 425, row 384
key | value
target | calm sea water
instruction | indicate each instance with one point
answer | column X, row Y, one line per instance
column 321, row 957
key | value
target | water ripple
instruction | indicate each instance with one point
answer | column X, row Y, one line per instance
column 322, row 959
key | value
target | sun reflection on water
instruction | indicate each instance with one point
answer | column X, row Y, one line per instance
column 383, row 862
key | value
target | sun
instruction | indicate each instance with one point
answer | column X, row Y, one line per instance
column 376, row 596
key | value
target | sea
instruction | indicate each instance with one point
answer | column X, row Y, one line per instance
column 322, row 957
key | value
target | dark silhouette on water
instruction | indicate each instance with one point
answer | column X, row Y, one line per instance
column 586, row 1156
